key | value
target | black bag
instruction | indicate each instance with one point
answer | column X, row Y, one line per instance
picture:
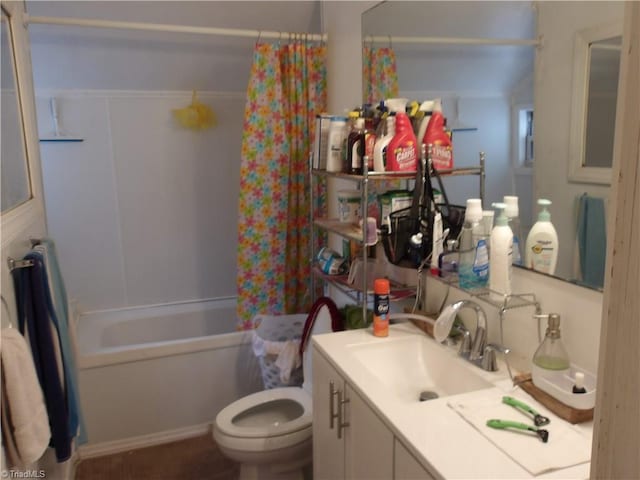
column 400, row 239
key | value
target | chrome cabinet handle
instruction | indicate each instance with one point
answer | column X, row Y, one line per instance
column 332, row 411
column 341, row 403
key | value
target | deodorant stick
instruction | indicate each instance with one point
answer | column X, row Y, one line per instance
column 381, row 307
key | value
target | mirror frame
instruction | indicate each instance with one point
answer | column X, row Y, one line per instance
column 581, row 60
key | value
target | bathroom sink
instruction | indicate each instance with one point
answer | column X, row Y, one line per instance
column 408, row 366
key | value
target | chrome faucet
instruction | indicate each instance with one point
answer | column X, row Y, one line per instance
column 475, row 350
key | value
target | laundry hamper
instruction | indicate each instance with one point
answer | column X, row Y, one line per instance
column 276, row 342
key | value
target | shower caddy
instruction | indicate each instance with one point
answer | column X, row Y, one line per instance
column 360, row 294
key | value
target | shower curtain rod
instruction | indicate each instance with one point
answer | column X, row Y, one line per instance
column 158, row 27
column 453, row 40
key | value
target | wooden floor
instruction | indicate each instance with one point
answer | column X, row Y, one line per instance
column 191, row 459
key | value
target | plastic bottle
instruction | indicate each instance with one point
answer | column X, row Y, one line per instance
column 381, row 290
column 541, row 250
column 501, row 259
column 436, row 135
column 427, row 109
column 437, row 243
column 380, row 147
column 473, row 266
column 337, row 135
column 355, row 147
column 551, row 360
column 369, row 143
column 512, row 214
column 402, row 153
column 448, row 261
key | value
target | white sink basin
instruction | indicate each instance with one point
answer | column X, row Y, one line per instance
column 408, row 366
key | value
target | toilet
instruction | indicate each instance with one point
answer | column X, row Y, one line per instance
column 269, row 432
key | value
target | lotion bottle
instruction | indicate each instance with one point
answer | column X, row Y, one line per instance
column 500, row 260
column 541, row 250
column 551, row 360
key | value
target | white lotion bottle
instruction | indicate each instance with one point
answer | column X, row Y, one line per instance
column 541, row 250
column 380, row 147
column 501, row 258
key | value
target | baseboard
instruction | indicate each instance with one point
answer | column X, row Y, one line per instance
column 131, row 443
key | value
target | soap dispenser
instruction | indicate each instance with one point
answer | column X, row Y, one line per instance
column 551, row 360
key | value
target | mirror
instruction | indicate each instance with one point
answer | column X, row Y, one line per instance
column 14, row 169
column 496, row 89
column 595, row 89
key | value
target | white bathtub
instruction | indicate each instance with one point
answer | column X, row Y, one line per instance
column 143, row 371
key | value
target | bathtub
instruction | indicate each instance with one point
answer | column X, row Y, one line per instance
column 146, row 371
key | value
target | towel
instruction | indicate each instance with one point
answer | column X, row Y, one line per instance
column 35, row 318
column 591, row 236
column 567, row 446
column 25, row 424
column 60, row 316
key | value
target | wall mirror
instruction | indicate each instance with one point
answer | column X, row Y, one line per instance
column 14, row 167
column 593, row 113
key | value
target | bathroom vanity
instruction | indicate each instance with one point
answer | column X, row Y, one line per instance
column 369, row 422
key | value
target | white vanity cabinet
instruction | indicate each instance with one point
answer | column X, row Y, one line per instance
column 405, row 465
column 349, row 439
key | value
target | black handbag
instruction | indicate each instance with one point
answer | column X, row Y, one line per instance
column 402, row 244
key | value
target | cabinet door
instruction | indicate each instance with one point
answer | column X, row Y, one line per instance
column 369, row 443
column 328, row 449
column 406, row 467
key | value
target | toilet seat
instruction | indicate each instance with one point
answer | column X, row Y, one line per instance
column 225, row 419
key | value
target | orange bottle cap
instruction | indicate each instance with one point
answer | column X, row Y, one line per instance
column 381, row 285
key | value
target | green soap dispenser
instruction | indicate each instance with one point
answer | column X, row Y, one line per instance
column 551, row 360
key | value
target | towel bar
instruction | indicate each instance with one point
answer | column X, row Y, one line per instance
column 13, row 264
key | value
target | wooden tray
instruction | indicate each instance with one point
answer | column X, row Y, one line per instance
column 570, row 414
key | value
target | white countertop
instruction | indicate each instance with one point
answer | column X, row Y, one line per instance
column 446, row 444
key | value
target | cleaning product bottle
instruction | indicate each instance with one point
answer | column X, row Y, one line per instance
column 369, row 142
column 437, row 136
column 473, row 266
column 501, row 259
column 380, row 147
column 551, row 360
column 512, row 213
column 541, row 250
column 355, row 147
column 425, row 110
column 381, row 290
column 402, row 153
column 337, row 135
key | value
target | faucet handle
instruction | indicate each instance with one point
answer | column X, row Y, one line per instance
column 489, row 362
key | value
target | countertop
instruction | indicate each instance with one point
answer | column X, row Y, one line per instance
column 446, row 444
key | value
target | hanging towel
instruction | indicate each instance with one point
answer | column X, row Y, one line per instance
column 35, row 318
column 60, row 314
column 592, row 240
column 25, row 425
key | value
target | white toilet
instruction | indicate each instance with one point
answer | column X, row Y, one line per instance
column 269, row 432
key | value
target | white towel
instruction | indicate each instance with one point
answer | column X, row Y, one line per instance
column 567, row 446
column 23, row 407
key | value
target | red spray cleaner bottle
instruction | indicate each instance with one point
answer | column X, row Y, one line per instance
column 402, row 152
column 436, row 135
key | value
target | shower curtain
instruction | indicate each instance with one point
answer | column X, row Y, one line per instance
column 379, row 75
column 287, row 89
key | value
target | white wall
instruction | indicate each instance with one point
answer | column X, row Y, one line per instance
column 143, row 211
column 558, row 23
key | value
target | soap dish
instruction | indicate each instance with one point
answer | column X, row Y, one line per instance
column 561, row 385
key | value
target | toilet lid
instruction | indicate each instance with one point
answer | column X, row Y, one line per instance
column 269, row 413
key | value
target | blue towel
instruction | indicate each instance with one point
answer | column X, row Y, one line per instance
column 33, row 299
column 592, row 240
column 60, row 315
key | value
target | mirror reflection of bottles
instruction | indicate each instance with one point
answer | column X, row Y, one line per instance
column 542, row 243
column 337, row 136
column 512, row 212
column 473, row 266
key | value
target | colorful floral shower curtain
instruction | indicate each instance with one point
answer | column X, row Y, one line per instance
column 379, row 75
column 287, row 89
